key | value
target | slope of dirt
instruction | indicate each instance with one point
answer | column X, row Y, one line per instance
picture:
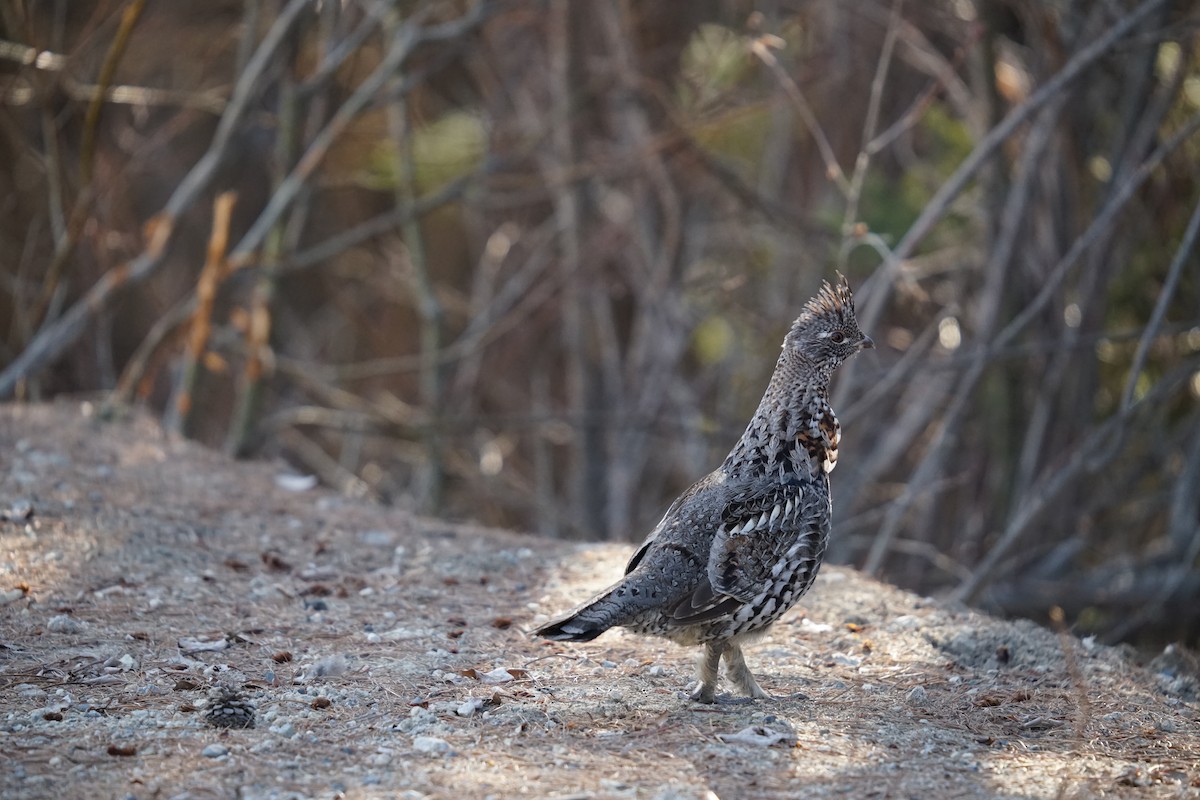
column 385, row 656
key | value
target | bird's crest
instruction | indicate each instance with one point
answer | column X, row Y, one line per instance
column 832, row 300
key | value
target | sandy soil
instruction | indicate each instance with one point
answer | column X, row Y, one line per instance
column 384, row 655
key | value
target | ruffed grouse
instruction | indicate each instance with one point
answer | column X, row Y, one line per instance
column 742, row 545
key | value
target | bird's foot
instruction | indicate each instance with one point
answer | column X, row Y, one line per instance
column 708, row 695
column 739, row 700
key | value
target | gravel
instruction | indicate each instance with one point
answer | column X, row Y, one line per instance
column 153, row 573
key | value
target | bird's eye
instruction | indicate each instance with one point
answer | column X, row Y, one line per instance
column 837, row 337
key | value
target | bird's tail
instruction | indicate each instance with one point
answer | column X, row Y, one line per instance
column 589, row 620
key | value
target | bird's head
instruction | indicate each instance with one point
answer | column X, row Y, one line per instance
column 826, row 332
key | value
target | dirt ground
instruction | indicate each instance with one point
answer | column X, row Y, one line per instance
column 384, row 655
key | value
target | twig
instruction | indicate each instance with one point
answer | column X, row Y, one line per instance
column 132, row 380
column 406, row 38
column 1182, row 254
column 1098, row 227
column 940, row 202
column 1081, row 460
column 258, row 356
column 945, row 77
column 347, row 47
column 761, row 47
column 386, row 222
column 429, row 308
column 87, row 148
column 1183, row 520
column 55, row 181
column 863, row 161
column 216, row 267
column 211, row 101
column 251, row 11
column 954, row 416
column 165, row 326
column 1014, row 219
column 328, row 469
column 54, row 338
column 1083, row 708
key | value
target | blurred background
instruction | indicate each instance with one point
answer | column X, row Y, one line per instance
column 530, row 263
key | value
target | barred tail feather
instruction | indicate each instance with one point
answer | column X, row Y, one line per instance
column 586, row 622
column 575, row 628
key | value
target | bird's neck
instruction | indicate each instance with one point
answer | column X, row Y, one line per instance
column 789, row 425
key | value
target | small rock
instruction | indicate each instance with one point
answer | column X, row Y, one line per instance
column 469, row 706
column 430, row 745
column 401, row 634
column 214, row 751
column 315, row 573
column 62, row 623
column 498, row 675
column 328, row 667
column 295, row 483
column 287, row 730
column 192, row 644
column 377, row 538
column 917, row 696
column 907, row 622
column 19, row 511
column 674, row 792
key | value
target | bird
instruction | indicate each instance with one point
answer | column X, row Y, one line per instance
column 744, row 543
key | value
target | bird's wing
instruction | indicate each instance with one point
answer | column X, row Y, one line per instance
column 764, row 537
column 670, row 519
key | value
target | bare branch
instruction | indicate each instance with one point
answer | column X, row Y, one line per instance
column 1182, row 254
column 57, row 336
column 936, row 207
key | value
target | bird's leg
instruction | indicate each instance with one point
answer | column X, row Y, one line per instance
column 740, row 675
column 710, row 665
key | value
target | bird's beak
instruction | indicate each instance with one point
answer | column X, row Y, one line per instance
column 866, row 344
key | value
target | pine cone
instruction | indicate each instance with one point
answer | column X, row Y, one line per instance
column 229, row 709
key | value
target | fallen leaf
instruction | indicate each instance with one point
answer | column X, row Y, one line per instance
column 275, row 562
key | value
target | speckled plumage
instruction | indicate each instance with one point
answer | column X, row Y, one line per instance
column 744, row 543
